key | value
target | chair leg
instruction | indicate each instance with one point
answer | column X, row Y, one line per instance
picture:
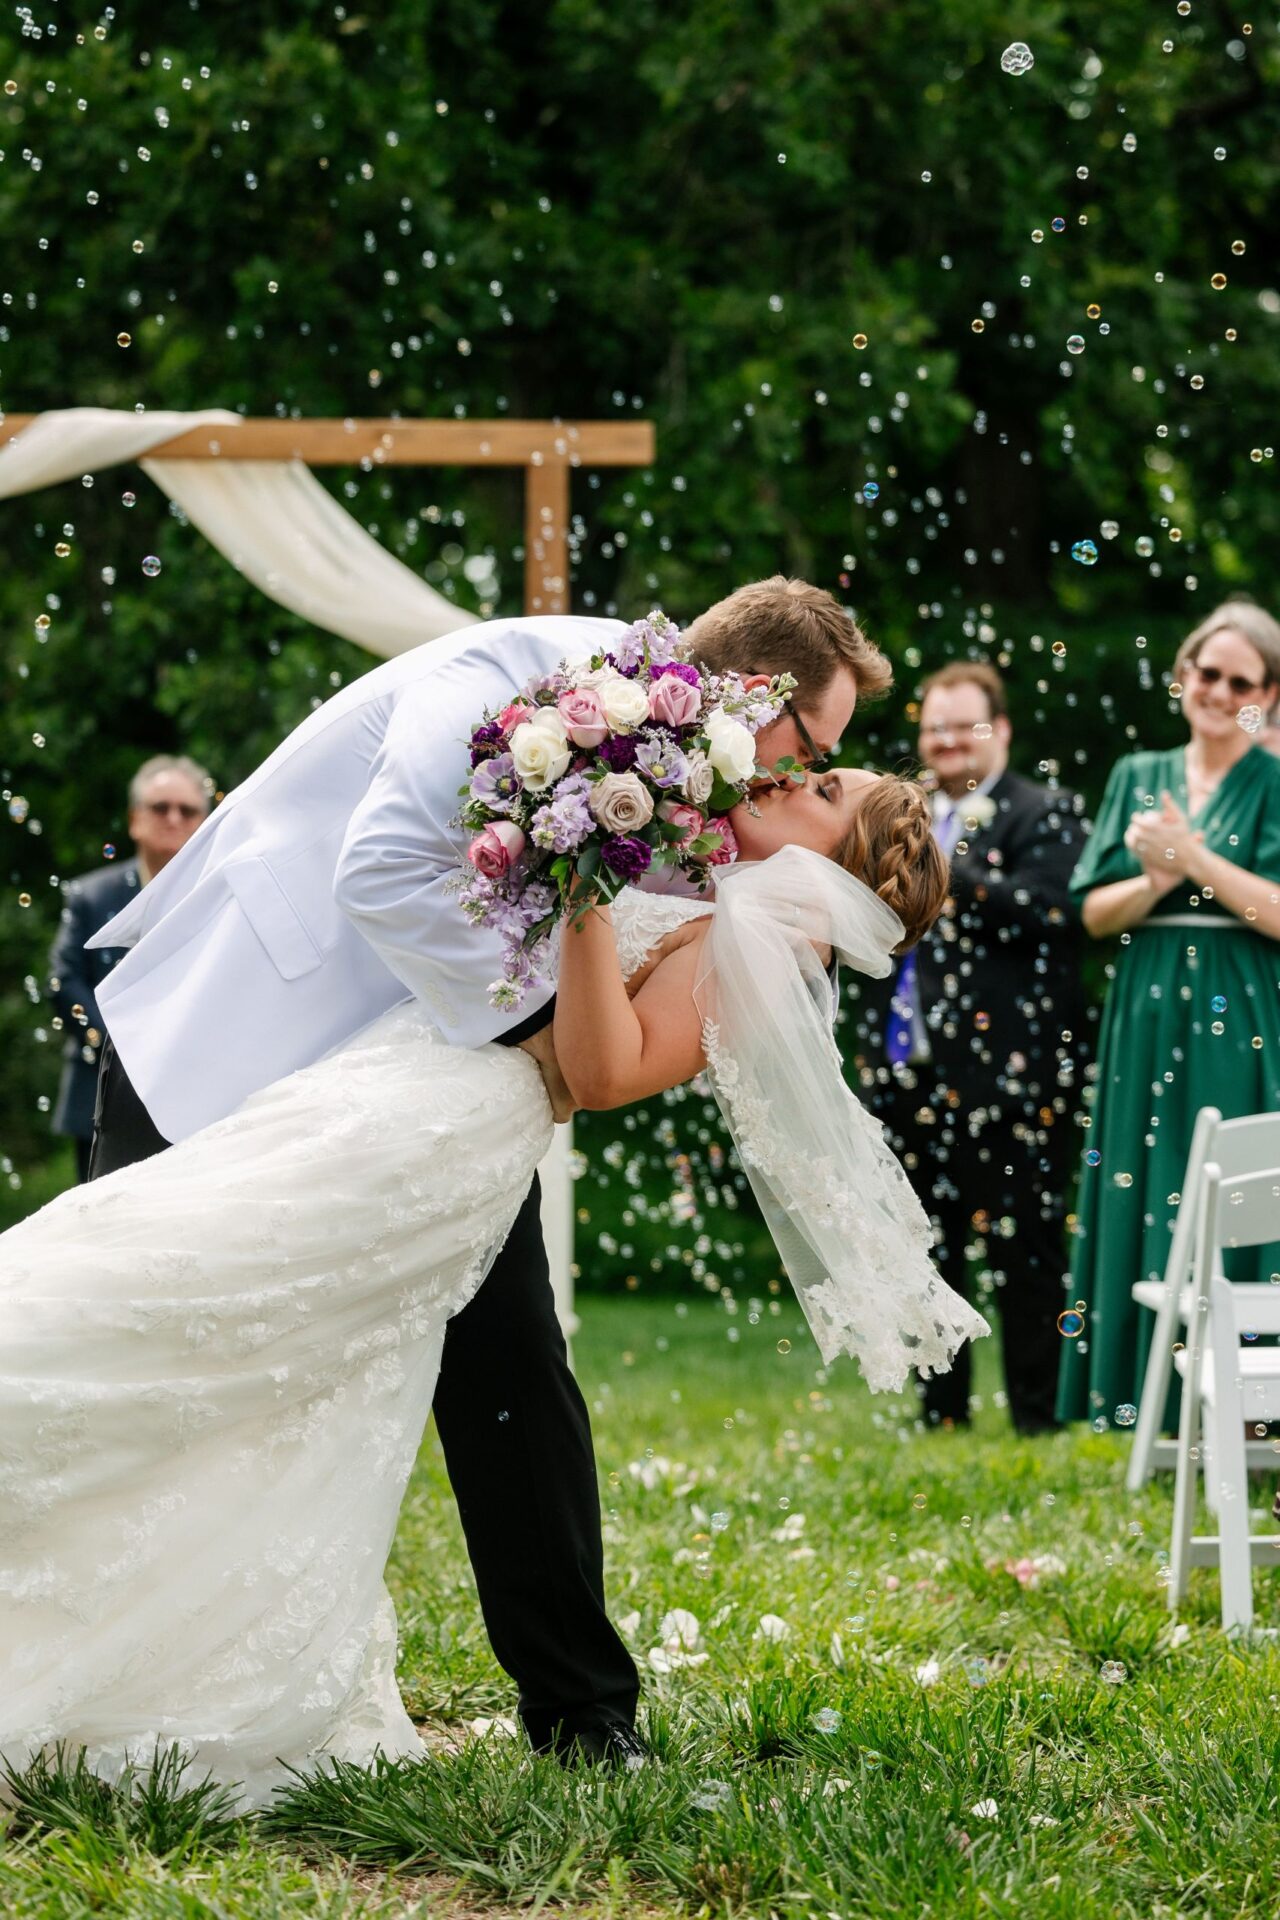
column 1184, row 1492
column 1229, row 1466
column 1155, row 1391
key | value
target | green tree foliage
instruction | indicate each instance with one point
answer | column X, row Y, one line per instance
column 687, row 214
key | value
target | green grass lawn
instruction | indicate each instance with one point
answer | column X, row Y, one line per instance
column 967, row 1696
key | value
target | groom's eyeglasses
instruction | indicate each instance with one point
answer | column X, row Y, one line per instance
column 817, row 756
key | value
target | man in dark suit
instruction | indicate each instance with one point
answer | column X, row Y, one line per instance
column 168, row 798
column 973, row 1053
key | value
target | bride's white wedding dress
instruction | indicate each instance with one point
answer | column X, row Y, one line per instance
column 215, row 1371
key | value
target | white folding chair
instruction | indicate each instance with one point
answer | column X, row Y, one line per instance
column 1226, row 1375
column 1245, row 1146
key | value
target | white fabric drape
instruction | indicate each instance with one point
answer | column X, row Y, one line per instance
column 271, row 518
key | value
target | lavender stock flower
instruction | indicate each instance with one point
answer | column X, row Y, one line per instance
column 565, row 821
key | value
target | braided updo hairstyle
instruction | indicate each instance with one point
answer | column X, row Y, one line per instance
column 891, row 847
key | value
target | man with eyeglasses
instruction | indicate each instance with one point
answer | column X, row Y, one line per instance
column 168, row 798
column 973, row 1054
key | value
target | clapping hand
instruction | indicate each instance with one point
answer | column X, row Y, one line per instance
column 1164, row 842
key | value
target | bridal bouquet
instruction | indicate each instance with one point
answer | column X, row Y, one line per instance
column 595, row 775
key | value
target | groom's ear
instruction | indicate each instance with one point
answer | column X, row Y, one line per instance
column 750, row 680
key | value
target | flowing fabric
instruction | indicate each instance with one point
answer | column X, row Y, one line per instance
column 271, row 518
column 215, row 1371
column 852, row 1234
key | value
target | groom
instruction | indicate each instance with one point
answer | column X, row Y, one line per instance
column 317, row 896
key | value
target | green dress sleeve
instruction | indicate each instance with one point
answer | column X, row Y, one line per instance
column 1266, row 853
column 1106, row 857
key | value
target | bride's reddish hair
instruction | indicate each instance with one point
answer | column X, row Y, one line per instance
column 892, row 848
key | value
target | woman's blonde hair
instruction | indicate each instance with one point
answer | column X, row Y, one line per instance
column 891, row 847
column 1238, row 616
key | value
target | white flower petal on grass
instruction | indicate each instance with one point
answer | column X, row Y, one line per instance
column 1179, row 1634
column 772, row 1627
column 928, row 1673
column 1043, row 1820
column 629, row 1625
column 985, row 1810
column 500, row 1727
column 680, row 1628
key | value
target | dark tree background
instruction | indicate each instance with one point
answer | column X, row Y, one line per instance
column 694, row 214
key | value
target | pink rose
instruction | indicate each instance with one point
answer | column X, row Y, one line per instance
column 728, row 848
column 583, row 714
column 673, row 702
column 495, row 851
column 687, row 818
column 514, row 716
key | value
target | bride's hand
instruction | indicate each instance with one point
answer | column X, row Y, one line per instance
column 541, row 1047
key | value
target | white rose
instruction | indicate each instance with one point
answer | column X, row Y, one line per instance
column 621, row 803
column 731, row 748
column 541, row 753
column 699, row 779
column 625, row 703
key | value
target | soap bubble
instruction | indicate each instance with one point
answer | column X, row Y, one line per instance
column 827, row 1720
column 859, row 341
column 871, row 490
column 1126, row 1414
column 1113, row 1673
column 124, row 339
column 1219, row 1003
column 711, row 1795
column 1075, row 343
column 1250, row 718
column 1130, row 143
column 1144, row 546
column 1058, row 224
column 1070, row 1324
column 151, row 566
column 1109, row 529
column 1085, row 552
column 1093, row 1158
column 1123, row 1179
column 127, row 498
column 1017, row 58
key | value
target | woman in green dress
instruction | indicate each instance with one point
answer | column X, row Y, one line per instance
column 1184, row 864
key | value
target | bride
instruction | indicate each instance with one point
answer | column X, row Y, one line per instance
column 216, row 1365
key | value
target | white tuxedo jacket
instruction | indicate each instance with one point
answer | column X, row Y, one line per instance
column 318, row 894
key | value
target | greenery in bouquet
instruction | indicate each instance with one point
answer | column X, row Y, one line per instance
column 597, row 775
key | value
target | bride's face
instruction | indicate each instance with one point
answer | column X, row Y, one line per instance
column 816, row 815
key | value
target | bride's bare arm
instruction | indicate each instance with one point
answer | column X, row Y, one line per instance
column 613, row 1049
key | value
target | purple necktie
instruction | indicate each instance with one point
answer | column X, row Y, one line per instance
column 900, row 1029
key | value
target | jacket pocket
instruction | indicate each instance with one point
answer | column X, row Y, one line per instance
column 273, row 917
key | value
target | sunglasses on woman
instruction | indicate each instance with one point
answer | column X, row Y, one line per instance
column 1236, row 682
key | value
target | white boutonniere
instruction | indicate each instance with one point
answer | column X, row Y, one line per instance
column 977, row 810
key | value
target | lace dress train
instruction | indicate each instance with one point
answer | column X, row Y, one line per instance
column 215, row 1371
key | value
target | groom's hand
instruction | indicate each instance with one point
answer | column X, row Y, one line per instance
column 541, row 1045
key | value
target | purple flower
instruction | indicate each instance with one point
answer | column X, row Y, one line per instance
column 565, row 821
column 485, row 742
column 660, row 760
column 619, row 753
column 626, row 857
column 627, row 653
column 681, row 669
column 495, row 783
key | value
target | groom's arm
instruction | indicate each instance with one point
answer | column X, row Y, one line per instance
column 397, row 874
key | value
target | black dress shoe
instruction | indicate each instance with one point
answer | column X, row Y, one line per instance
column 613, row 1745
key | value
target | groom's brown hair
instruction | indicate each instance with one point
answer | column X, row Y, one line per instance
column 787, row 626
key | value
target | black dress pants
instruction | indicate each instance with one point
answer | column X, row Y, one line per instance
column 517, row 1445
column 953, row 1181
